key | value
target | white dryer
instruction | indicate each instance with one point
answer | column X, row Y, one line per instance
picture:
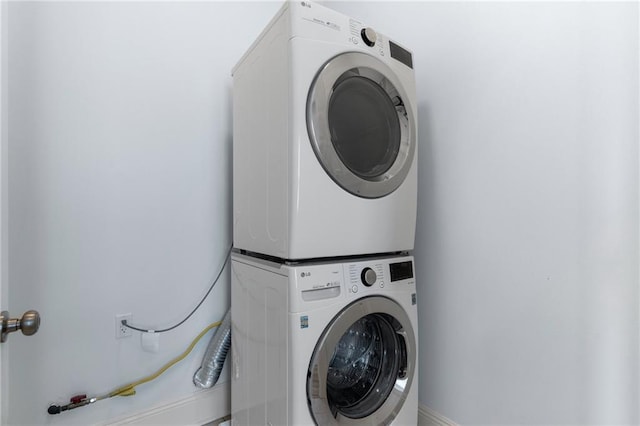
column 324, row 137
column 324, row 343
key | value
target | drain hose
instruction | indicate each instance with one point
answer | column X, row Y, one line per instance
column 213, row 361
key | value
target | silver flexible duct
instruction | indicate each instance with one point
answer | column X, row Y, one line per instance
column 213, row 361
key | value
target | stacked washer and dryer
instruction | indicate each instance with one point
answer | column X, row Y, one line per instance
column 324, row 319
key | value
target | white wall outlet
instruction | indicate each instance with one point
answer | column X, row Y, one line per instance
column 121, row 330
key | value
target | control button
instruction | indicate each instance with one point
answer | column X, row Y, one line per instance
column 369, row 36
column 368, row 277
column 354, row 289
column 381, row 284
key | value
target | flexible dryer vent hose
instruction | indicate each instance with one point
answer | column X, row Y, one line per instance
column 213, row 361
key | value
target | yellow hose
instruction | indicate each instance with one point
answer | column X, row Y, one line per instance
column 129, row 390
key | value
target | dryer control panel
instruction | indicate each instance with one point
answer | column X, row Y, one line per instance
column 315, row 21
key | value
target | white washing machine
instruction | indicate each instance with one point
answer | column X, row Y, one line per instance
column 324, row 137
column 324, row 343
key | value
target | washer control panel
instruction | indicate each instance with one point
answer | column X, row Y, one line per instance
column 325, row 281
column 376, row 275
column 364, row 274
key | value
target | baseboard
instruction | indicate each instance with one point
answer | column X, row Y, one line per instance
column 198, row 409
column 428, row 417
column 212, row 404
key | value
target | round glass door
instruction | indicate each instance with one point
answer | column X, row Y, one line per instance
column 364, row 127
column 363, row 364
column 362, row 132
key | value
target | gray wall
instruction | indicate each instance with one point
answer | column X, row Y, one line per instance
column 527, row 240
column 527, row 246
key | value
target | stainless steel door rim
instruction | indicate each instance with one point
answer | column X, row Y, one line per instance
column 399, row 384
column 381, row 77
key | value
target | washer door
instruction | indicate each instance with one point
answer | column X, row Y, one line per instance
column 363, row 365
column 360, row 125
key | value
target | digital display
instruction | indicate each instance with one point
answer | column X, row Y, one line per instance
column 401, row 54
column 401, row 271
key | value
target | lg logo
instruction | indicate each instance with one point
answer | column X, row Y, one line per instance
column 305, row 274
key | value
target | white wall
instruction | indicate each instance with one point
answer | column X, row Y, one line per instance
column 527, row 245
column 119, row 175
column 527, row 240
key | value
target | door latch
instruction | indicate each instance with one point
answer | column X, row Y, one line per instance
column 28, row 324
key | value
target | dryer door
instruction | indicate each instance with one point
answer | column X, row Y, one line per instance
column 363, row 365
column 360, row 124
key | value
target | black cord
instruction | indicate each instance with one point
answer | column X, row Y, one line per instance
column 226, row 261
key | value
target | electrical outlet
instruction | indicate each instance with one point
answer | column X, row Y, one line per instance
column 123, row 331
